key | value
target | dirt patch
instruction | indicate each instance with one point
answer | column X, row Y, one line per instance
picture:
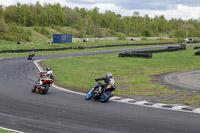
column 42, row 65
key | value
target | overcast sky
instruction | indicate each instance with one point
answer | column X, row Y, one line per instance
column 185, row 9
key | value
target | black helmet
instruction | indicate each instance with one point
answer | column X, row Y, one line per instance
column 48, row 69
column 109, row 75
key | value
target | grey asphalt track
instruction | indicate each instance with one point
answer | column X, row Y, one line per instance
column 185, row 79
column 62, row 112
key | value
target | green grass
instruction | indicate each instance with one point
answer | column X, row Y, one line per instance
column 192, row 100
column 7, row 45
column 3, row 55
column 4, row 131
column 131, row 73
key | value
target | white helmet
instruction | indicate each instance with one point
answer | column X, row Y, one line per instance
column 48, row 69
column 109, row 74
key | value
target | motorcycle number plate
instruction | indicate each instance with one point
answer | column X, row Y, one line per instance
column 109, row 86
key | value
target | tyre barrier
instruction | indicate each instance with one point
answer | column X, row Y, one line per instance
column 79, row 47
column 28, row 50
column 196, row 47
column 169, row 49
column 197, row 53
column 134, row 54
column 148, row 53
column 194, row 42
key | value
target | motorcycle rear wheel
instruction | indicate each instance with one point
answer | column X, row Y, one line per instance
column 45, row 90
column 33, row 89
column 105, row 96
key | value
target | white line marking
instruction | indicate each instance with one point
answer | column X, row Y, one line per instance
column 115, row 97
column 141, row 102
column 3, row 128
column 158, row 105
column 125, row 100
column 37, row 65
column 178, row 107
column 196, row 110
column 79, row 93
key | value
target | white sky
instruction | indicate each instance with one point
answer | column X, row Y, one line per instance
column 185, row 9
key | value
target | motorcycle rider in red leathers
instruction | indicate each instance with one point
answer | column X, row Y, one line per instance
column 48, row 74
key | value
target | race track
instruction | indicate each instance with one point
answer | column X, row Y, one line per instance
column 62, row 112
column 185, row 79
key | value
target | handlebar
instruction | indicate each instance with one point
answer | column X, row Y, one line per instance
column 42, row 73
column 98, row 82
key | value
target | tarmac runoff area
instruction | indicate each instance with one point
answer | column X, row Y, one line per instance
column 184, row 79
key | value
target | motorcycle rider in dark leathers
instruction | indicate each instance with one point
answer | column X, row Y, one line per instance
column 108, row 79
column 32, row 52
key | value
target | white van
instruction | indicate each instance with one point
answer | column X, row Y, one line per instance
column 189, row 40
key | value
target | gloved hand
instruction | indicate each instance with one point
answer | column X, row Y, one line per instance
column 96, row 79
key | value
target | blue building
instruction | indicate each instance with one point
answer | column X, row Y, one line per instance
column 62, row 38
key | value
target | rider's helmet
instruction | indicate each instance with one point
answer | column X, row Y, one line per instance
column 48, row 69
column 109, row 75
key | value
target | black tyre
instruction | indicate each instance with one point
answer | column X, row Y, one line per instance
column 45, row 90
column 33, row 89
column 105, row 96
column 95, row 97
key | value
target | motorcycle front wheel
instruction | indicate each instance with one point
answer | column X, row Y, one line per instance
column 46, row 88
column 33, row 89
column 105, row 96
column 89, row 95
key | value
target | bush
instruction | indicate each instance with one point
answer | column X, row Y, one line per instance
column 146, row 33
column 15, row 37
column 81, row 34
column 121, row 36
column 29, row 32
column 3, row 25
column 45, row 31
column 26, row 35
column 160, row 38
column 56, row 27
column 179, row 33
column 171, row 35
column 144, row 38
column 9, row 36
column 13, row 34
column 37, row 28
column 12, row 27
column 180, row 40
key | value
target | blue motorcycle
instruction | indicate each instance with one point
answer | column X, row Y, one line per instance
column 98, row 92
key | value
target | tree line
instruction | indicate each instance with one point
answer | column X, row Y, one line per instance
column 94, row 23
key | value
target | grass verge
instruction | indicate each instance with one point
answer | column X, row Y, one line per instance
column 191, row 100
column 3, row 55
column 6, row 45
column 132, row 74
column 4, row 131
